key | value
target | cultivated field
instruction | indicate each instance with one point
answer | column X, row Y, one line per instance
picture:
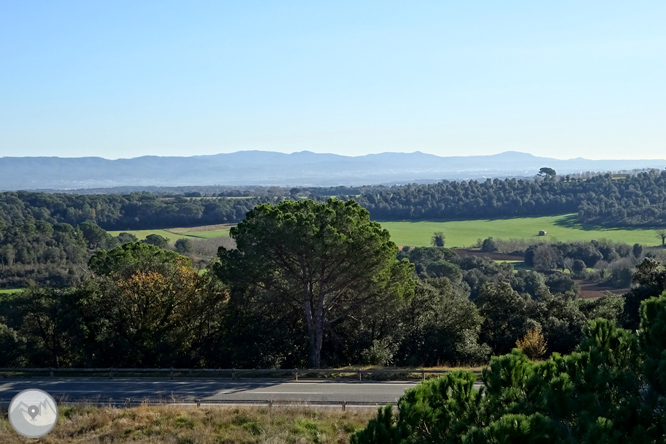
column 167, row 424
column 173, row 234
column 461, row 233
column 466, row 233
column 141, row 234
column 204, row 232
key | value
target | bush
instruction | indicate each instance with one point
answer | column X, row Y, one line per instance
column 183, row 246
column 533, row 343
column 157, row 240
column 489, row 245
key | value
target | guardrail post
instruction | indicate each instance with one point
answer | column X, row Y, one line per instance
column 51, row 371
column 233, row 373
column 422, row 375
column 296, row 374
column 110, row 372
column 171, row 373
column 128, row 402
column 198, row 401
column 344, row 405
column 359, row 374
column 270, row 403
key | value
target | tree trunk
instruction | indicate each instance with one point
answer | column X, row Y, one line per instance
column 315, row 323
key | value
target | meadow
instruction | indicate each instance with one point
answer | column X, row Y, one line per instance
column 466, row 233
column 173, row 234
column 459, row 233
column 198, row 425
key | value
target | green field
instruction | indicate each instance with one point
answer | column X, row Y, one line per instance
column 173, row 234
column 465, row 233
column 141, row 234
column 458, row 233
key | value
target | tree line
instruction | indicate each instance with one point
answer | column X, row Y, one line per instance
column 634, row 200
column 134, row 211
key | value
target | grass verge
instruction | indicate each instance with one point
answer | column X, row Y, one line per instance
column 190, row 425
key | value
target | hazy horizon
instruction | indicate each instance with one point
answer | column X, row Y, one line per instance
column 345, row 155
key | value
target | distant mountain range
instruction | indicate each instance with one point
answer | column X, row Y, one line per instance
column 304, row 168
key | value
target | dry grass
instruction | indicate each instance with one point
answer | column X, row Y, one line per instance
column 186, row 230
column 191, row 425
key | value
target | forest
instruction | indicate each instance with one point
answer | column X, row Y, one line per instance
column 422, row 306
column 634, row 200
column 631, row 200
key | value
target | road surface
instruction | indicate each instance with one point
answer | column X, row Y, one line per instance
column 209, row 390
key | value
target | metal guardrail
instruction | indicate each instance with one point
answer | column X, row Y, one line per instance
column 234, row 373
column 137, row 402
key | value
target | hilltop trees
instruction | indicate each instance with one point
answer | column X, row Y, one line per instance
column 323, row 260
column 546, row 171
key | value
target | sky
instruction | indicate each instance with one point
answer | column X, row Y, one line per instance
column 119, row 79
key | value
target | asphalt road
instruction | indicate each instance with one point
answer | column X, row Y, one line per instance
column 209, row 390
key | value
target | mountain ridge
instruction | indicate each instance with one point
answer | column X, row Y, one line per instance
column 302, row 168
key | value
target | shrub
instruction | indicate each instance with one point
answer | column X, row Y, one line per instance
column 489, row 245
column 533, row 343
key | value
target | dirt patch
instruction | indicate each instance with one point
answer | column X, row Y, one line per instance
column 462, row 252
column 593, row 290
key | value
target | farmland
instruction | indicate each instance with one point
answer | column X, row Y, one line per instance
column 465, row 233
column 459, row 233
column 173, row 234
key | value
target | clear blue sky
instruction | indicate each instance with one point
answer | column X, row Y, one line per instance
column 127, row 78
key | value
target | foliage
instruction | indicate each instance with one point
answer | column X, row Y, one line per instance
column 609, row 306
column 638, row 200
column 157, row 240
column 611, row 389
column 488, row 245
column 533, row 343
column 438, row 239
column 39, row 251
column 324, row 260
column 142, row 307
column 183, row 246
column 505, row 315
column 545, row 171
column 440, row 326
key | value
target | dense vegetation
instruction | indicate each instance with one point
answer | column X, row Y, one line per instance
column 632, row 201
column 133, row 211
column 638, row 199
column 42, row 235
column 612, row 389
column 313, row 284
column 310, row 284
